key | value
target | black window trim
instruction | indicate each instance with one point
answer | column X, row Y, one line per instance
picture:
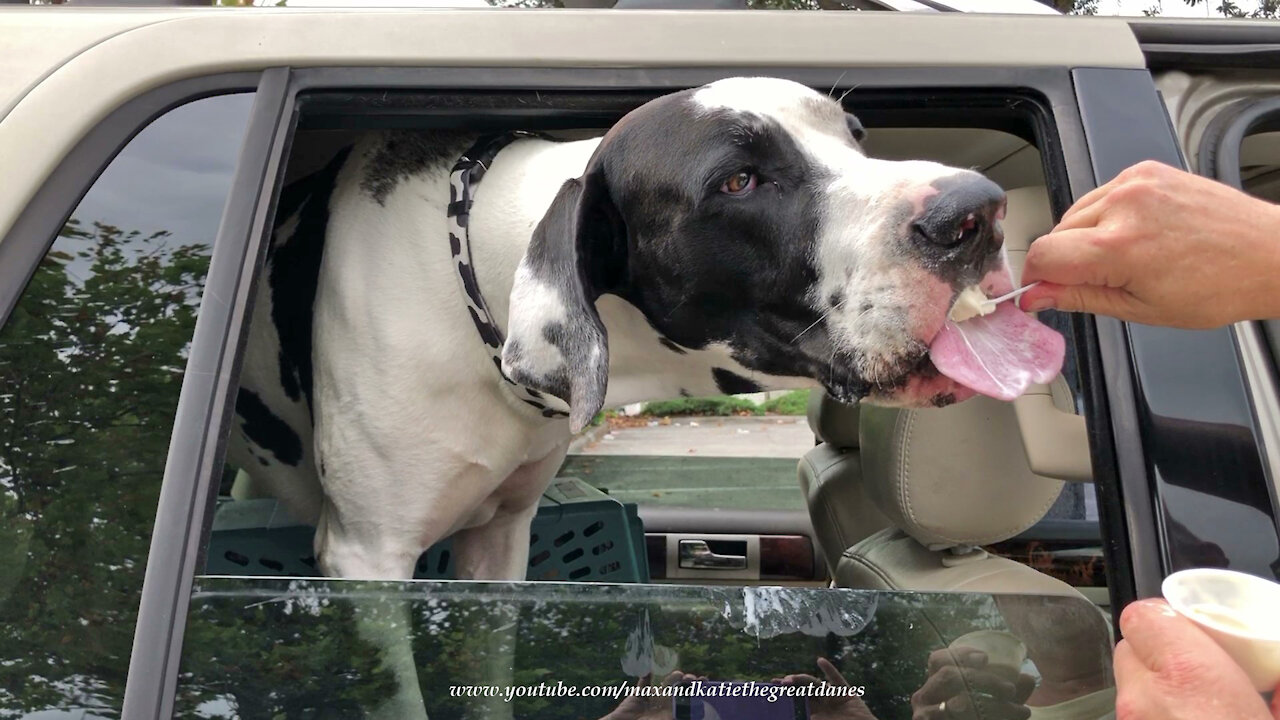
column 205, row 404
column 1120, row 107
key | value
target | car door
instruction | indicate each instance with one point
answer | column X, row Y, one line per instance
column 1070, row 102
column 1218, row 83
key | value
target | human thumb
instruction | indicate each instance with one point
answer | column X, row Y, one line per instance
column 1077, row 298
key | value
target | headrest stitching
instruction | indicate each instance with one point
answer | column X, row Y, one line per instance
column 904, row 465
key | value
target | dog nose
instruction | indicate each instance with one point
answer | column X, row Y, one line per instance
column 964, row 212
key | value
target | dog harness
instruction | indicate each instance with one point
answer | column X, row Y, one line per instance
column 463, row 179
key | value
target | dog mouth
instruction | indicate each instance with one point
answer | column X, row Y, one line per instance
column 999, row 354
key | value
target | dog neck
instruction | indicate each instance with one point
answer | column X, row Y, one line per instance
column 643, row 365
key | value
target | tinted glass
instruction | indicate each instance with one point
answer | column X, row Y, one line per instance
column 91, row 362
column 281, row 648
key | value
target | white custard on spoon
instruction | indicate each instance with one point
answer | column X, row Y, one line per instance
column 971, row 302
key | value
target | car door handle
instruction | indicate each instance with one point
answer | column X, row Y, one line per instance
column 697, row 555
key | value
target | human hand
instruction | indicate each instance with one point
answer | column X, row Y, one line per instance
column 1167, row 668
column 635, row 707
column 1160, row 246
column 957, row 676
column 839, row 707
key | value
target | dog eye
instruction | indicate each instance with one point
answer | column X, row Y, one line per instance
column 739, row 183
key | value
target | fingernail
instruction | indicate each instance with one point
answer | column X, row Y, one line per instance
column 1037, row 304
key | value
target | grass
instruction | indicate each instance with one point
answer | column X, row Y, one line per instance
column 793, row 403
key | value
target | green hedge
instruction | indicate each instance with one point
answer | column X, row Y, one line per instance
column 793, row 403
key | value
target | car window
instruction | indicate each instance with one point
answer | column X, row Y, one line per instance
column 91, row 363
column 694, row 488
column 295, row 648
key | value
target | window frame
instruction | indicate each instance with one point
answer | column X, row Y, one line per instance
column 1219, row 158
column 1133, row 546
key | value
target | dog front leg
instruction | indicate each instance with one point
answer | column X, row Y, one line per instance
column 499, row 550
column 384, row 623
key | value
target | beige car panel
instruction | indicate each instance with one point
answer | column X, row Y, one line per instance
column 1007, row 159
column 1194, row 100
column 177, row 45
column 31, row 47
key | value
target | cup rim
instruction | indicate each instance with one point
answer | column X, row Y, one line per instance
column 1172, row 581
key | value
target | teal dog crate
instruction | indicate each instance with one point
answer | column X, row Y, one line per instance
column 579, row 535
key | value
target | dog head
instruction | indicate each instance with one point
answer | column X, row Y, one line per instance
column 745, row 214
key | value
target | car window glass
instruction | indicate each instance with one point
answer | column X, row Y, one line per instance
column 303, row 648
column 91, row 363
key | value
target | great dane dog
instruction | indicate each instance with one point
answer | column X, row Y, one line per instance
column 425, row 343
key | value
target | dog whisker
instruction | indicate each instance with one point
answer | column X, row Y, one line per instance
column 677, row 306
column 836, row 83
column 822, row 317
column 846, row 93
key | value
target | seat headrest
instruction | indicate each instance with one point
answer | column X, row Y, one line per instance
column 1028, row 217
column 952, row 476
column 834, row 422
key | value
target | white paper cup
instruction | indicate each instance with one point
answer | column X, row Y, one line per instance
column 1240, row 612
column 1005, row 652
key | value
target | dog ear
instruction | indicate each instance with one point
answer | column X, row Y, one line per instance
column 556, row 342
column 858, row 132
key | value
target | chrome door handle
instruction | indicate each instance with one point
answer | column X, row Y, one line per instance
column 696, row 555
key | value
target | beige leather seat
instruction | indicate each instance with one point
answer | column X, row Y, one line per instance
column 949, row 480
column 831, row 479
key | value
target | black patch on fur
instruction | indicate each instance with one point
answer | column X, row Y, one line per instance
column 266, row 430
column 731, row 383
column 943, row 400
column 684, row 393
column 706, row 267
column 294, row 271
column 672, row 347
column 402, row 154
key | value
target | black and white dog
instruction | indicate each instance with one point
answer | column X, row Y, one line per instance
column 725, row 239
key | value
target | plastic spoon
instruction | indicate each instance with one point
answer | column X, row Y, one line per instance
column 989, row 305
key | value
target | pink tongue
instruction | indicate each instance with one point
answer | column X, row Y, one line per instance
column 999, row 355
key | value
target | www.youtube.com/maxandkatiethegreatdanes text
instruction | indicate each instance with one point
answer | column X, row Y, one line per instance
column 693, row 689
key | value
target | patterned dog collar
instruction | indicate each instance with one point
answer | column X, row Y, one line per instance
column 463, row 179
